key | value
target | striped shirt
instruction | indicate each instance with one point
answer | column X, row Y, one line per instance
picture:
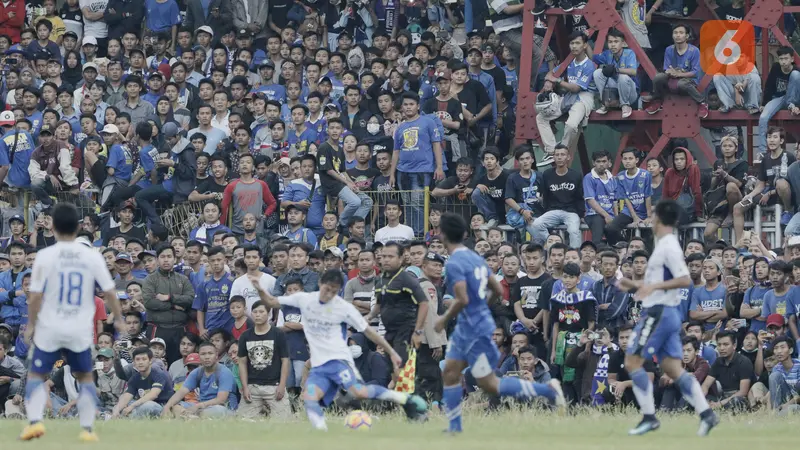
column 504, row 22
column 792, row 375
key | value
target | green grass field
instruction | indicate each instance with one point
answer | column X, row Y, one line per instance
column 510, row 430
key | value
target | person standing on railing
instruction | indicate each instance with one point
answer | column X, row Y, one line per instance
column 417, row 160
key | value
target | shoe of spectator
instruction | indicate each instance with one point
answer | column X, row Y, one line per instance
column 794, row 110
column 491, row 223
column 647, row 98
column 539, row 8
column 580, row 5
column 566, row 5
column 702, row 110
column 753, row 110
column 786, row 216
column 626, row 111
column 757, row 158
column 724, row 109
column 546, row 161
column 653, row 107
column 601, row 110
column 672, row 13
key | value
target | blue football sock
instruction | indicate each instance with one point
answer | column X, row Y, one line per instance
column 87, row 405
column 692, row 392
column 451, row 397
column 643, row 391
column 314, row 412
column 514, row 387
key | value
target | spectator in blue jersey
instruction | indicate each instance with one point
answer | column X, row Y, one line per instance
column 754, row 296
column 162, row 16
column 120, row 161
column 417, row 160
column 295, row 217
column 16, row 147
column 681, row 73
column 215, row 386
column 634, row 188
column 301, row 136
column 30, row 106
column 523, row 192
column 211, row 299
column 600, row 193
column 708, row 302
column 268, row 86
column 617, row 72
column 562, row 198
column 577, row 102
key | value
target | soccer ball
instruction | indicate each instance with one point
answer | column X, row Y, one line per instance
column 358, row 420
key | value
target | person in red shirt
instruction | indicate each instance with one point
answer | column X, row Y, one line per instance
column 241, row 322
column 12, row 17
column 100, row 316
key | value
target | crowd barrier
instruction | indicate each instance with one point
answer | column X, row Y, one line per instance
column 180, row 219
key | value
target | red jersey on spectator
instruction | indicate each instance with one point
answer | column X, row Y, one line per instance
column 12, row 26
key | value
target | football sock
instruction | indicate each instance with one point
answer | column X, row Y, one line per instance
column 451, row 397
column 692, row 392
column 314, row 412
column 643, row 390
column 87, row 405
column 381, row 393
column 35, row 399
column 514, row 387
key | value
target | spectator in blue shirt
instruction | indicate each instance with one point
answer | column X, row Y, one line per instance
column 214, row 384
column 211, row 299
column 681, row 73
column 708, row 302
column 577, row 102
column 295, row 217
column 617, row 70
column 600, row 193
column 634, row 187
column 417, row 157
column 163, row 16
column 16, row 147
column 298, row 193
column 785, row 375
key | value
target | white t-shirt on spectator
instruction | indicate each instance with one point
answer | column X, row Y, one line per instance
column 400, row 233
column 96, row 28
column 242, row 286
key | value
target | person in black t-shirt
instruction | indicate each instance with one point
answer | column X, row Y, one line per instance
column 563, row 199
column 488, row 194
column 148, row 389
column 263, row 367
column 212, row 187
column 450, row 112
column 332, row 176
column 489, row 66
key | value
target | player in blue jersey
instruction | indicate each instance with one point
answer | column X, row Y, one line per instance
column 471, row 342
column 658, row 332
column 61, row 311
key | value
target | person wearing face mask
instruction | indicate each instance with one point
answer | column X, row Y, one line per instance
column 371, row 365
column 376, row 136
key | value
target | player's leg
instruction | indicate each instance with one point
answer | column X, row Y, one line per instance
column 317, row 385
column 452, row 392
column 35, row 393
column 692, row 392
column 414, row 406
column 81, row 365
column 644, row 342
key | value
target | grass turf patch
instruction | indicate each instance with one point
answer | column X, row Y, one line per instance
column 507, row 430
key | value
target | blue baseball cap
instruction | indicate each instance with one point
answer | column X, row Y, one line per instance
column 124, row 257
column 16, row 217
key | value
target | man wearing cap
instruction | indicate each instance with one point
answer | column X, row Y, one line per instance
column 16, row 147
column 296, row 217
column 95, row 25
column 89, row 48
column 155, row 82
column 124, row 269
column 268, row 87
column 432, row 343
column 16, row 225
column 134, row 105
column 474, row 61
column 109, row 386
column 30, row 106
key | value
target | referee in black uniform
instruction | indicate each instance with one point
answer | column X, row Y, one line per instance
column 400, row 301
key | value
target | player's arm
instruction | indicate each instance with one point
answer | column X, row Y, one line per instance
column 458, row 303
column 174, row 400
column 265, row 297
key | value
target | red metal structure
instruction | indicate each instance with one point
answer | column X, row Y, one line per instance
column 678, row 118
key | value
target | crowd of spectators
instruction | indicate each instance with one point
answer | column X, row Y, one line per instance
column 214, row 142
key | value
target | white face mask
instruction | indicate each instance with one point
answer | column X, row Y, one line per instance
column 356, row 351
column 373, row 128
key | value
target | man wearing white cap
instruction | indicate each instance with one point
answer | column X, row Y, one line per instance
column 89, row 48
column 14, row 169
column 94, row 24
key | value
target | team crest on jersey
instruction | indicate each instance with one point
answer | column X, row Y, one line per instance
column 410, row 137
column 322, row 160
column 224, row 288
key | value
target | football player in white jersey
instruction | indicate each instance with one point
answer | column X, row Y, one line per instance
column 325, row 318
column 658, row 331
column 61, row 310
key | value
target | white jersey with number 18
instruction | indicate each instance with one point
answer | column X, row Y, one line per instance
column 66, row 274
column 666, row 263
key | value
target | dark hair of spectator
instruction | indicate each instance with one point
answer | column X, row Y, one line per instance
column 163, row 248
column 295, row 281
column 691, row 340
column 609, row 254
column 252, row 248
column 521, row 150
column 238, row 299
column 640, row 254
column 558, row 246
column 142, row 351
